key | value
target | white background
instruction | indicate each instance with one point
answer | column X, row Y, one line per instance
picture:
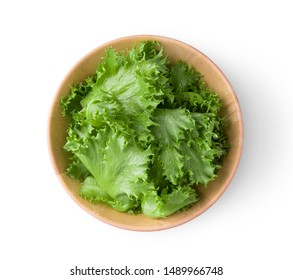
column 248, row 231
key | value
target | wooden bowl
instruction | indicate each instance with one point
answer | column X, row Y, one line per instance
column 208, row 196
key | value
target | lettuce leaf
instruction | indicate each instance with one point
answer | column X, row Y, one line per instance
column 143, row 132
column 165, row 204
column 169, row 133
column 119, row 168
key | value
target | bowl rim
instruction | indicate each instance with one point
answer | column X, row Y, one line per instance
column 138, row 38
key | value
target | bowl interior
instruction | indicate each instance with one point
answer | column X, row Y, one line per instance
column 215, row 79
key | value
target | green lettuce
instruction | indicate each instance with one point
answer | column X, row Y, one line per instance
column 143, row 132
